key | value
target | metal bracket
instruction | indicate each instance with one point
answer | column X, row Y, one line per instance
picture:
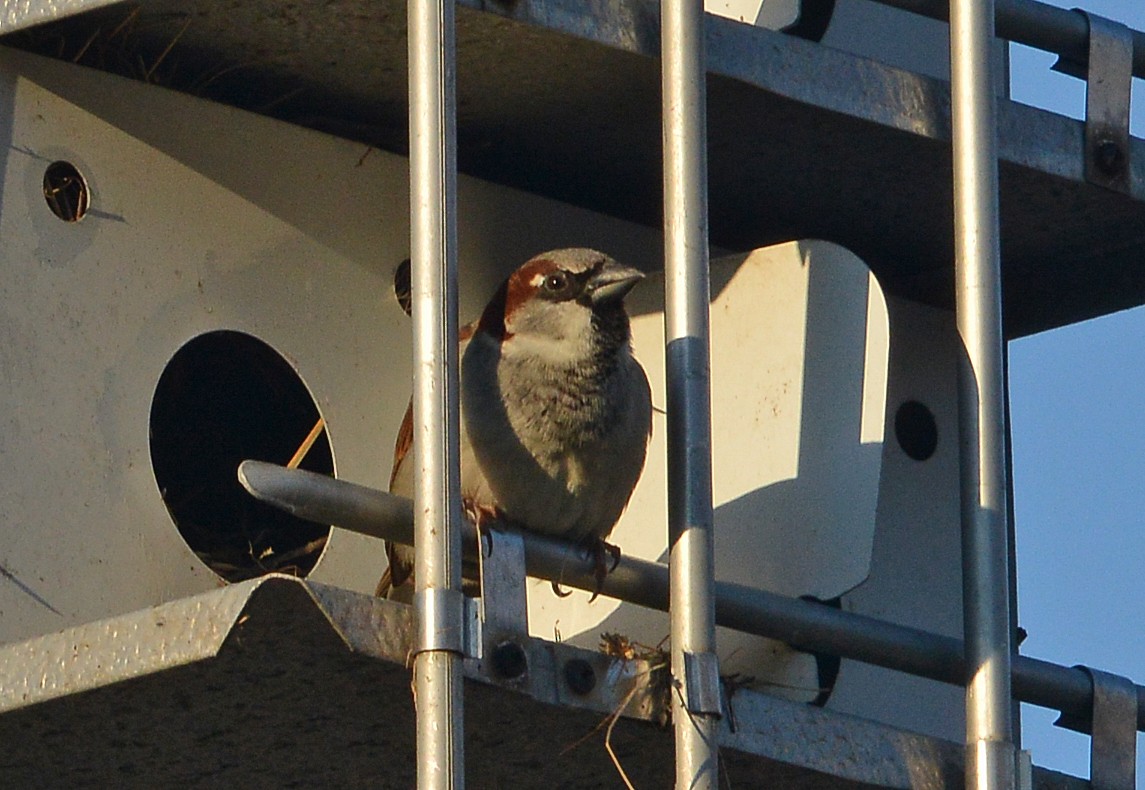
column 1113, row 747
column 1109, row 79
column 504, row 604
column 441, row 621
column 1113, row 730
column 702, row 683
column 1025, row 770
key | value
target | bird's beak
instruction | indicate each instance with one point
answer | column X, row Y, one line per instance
column 612, row 283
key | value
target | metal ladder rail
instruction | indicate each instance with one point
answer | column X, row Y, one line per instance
column 438, row 601
column 695, row 668
column 991, row 759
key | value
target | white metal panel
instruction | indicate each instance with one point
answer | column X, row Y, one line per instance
column 772, row 14
column 202, row 218
column 799, row 354
column 916, row 576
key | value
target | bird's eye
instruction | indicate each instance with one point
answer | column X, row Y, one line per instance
column 556, row 282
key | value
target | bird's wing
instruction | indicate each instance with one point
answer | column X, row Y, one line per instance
column 401, row 557
column 403, row 445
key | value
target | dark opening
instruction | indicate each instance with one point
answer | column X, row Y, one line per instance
column 225, row 397
column 66, row 191
column 403, row 287
column 916, row 430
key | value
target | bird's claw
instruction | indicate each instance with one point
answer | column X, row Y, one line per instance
column 601, row 551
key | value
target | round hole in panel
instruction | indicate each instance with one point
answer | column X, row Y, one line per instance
column 916, row 430
column 225, row 397
column 66, row 191
column 403, row 287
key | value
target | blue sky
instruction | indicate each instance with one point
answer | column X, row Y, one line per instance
column 1077, row 399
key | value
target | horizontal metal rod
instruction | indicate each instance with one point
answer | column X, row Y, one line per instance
column 1038, row 25
column 804, row 625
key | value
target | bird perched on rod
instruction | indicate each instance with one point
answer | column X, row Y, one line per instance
column 555, row 410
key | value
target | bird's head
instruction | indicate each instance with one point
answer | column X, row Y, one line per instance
column 564, row 305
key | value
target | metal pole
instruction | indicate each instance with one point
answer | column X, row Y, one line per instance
column 438, row 601
column 1039, row 25
column 807, row 626
column 695, row 710
column 990, row 754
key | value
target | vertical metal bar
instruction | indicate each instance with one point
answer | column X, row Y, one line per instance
column 990, row 753
column 687, row 288
column 437, row 511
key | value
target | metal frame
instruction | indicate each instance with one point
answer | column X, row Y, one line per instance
column 805, row 625
column 696, row 601
column 1028, row 22
column 991, row 757
column 439, row 605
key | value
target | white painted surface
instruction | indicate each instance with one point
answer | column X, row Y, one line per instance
column 799, row 354
column 202, row 218
column 207, row 218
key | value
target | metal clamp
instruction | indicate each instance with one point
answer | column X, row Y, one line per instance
column 702, row 683
column 1113, row 746
column 442, row 625
column 1109, row 78
column 1113, row 729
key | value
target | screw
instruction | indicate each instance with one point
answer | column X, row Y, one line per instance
column 509, row 661
column 1108, row 157
column 580, row 676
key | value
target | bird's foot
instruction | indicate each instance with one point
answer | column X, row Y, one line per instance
column 605, row 558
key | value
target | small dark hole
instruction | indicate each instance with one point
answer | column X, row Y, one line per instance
column 403, row 290
column 223, row 398
column 66, row 191
column 509, row 660
column 580, row 676
column 916, row 430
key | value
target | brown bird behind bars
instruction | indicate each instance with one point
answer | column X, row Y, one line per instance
column 555, row 410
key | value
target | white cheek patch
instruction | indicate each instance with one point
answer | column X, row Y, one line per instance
column 559, row 333
column 538, row 278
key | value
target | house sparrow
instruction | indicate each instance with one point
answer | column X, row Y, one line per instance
column 555, row 410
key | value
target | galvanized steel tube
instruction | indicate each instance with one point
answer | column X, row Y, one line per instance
column 437, row 512
column 686, row 299
column 990, row 754
column 805, row 625
column 1040, row 25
